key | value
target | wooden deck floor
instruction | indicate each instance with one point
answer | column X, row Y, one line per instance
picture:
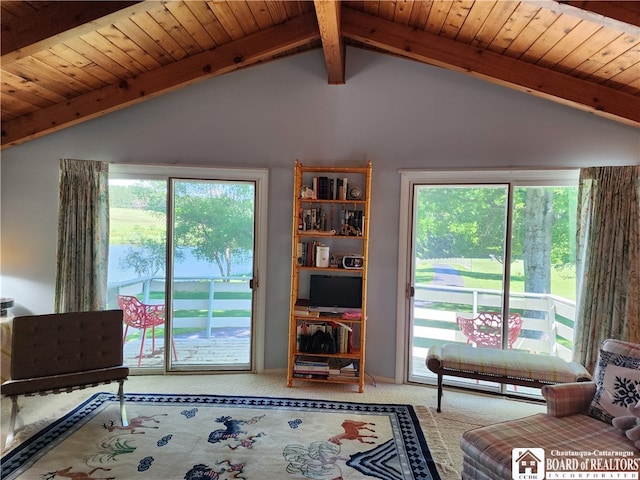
column 226, row 347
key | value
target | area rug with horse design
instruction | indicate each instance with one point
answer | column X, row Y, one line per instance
column 226, row 437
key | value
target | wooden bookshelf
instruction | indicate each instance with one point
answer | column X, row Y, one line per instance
column 331, row 213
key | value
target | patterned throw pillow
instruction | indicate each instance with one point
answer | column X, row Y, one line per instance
column 616, row 376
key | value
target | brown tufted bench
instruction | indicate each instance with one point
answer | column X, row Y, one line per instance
column 503, row 366
column 62, row 352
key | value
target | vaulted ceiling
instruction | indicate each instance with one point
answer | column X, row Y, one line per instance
column 67, row 62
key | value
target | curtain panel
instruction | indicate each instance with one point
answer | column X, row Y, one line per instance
column 83, row 236
column 608, row 259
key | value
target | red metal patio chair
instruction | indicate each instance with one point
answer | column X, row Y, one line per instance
column 485, row 330
column 142, row 316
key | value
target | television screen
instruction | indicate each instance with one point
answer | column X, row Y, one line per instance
column 335, row 293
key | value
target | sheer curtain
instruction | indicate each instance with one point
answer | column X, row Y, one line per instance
column 608, row 259
column 83, row 235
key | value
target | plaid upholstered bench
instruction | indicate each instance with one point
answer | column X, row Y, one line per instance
column 503, row 366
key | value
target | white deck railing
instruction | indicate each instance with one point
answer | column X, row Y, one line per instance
column 143, row 286
column 547, row 319
column 546, row 334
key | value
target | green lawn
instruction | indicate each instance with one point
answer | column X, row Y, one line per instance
column 487, row 274
column 238, row 313
column 156, row 295
column 133, row 224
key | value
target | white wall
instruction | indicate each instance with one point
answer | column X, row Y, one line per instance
column 394, row 112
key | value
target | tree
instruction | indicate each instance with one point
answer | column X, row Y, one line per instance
column 149, row 195
column 565, row 208
column 538, row 222
column 460, row 222
column 215, row 219
column 148, row 258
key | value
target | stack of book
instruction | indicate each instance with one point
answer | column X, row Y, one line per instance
column 301, row 309
column 348, row 371
column 311, row 367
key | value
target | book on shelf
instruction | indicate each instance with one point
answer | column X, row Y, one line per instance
column 323, row 188
column 314, row 219
column 341, row 189
column 301, row 309
column 326, row 188
column 310, row 360
column 310, row 376
column 300, row 253
column 320, row 221
column 307, row 253
column 305, row 370
column 343, row 336
column 311, row 366
column 351, row 369
column 348, row 371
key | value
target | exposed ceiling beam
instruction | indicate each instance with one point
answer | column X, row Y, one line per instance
column 428, row 48
column 258, row 47
column 623, row 11
column 59, row 21
column 328, row 14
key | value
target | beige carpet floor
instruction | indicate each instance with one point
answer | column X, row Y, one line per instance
column 462, row 410
column 450, row 425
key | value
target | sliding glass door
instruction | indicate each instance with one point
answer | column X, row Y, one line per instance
column 183, row 264
column 490, row 265
column 212, row 251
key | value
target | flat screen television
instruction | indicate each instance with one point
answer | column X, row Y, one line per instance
column 335, row 293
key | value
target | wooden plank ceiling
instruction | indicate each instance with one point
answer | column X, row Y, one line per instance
column 67, row 62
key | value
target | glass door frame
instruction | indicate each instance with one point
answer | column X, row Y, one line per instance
column 409, row 179
column 260, row 178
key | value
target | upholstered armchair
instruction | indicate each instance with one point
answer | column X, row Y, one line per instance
column 62, row 352
column 578, row 419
